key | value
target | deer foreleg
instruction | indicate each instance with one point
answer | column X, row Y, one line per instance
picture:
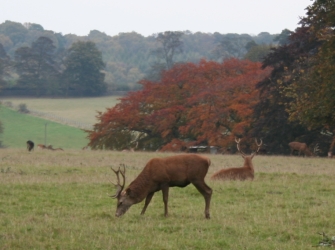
column 147, row 201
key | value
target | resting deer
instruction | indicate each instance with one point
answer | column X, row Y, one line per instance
column 242, row 173
column 161, row 174
column 302, row 148
column 41, row 146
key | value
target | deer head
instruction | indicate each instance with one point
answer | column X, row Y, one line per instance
column 123, row 200
column 243, row 154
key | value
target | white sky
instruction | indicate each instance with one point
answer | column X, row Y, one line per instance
column 147, row 17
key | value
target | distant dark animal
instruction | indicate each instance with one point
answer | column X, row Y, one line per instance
column 242, row 173
column 30, row 145
column 161, row 174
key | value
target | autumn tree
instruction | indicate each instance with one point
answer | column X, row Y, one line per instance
column 206, row 103
column 84, row 70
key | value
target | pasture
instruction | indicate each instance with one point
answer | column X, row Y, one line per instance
column 18, row 128
column 59, row 200
column 79, row 109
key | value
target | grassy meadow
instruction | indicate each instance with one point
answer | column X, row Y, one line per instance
column 18, row 128
column 79, row 109
column 59, row 200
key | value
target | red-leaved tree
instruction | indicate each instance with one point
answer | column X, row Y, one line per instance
column 206, row 103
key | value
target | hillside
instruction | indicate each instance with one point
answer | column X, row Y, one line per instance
column 18, row 128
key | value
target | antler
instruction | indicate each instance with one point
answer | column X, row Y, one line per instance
column 258, row 145
column 118, row 185
column 238, row 146
column 253, row 154
column 316, row 148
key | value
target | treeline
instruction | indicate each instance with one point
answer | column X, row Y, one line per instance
column 126, row 58
column 290, row 96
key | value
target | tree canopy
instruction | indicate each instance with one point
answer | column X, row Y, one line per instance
column 297, row 100
column 83, row 71
column 206, row 103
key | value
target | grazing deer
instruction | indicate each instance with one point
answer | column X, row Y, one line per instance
column 302, row 148
column 30, row 145
column 161, row 174
column 242, row 173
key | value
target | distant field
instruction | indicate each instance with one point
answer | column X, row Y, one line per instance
column 79, row 109
column 59, row 200
column 18, row 128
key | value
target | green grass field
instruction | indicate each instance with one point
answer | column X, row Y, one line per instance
column 79, row 109
column 59, row 200
column 18, row 128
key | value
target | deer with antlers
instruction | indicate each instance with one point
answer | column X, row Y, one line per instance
column 242, row 173
column 161, row 174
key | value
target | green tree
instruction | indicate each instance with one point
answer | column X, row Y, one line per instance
column 83, row 71
column 258, row 52
column 4, row 64
column 231, row 45
column 283, row 37
column 312, row 78
column 170, row 45
column 36, row 66
column 271, row 115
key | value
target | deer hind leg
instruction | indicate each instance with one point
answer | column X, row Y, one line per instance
column 147, row 201
column 206, row 192
column 165, row 191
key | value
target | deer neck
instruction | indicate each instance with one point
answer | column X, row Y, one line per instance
column 248, row 163
column 140, row 187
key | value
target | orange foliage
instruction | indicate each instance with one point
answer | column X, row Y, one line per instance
column 205, row 103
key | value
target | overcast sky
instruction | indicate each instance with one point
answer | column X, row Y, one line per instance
column 147, row 17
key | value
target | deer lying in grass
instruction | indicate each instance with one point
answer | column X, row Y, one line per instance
column 302, row 148
column 41, row 146
column 161, row 174
column 242, row 173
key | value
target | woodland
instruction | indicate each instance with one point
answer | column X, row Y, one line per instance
column 289, row 96
column 205, row 89
column 122, row 60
